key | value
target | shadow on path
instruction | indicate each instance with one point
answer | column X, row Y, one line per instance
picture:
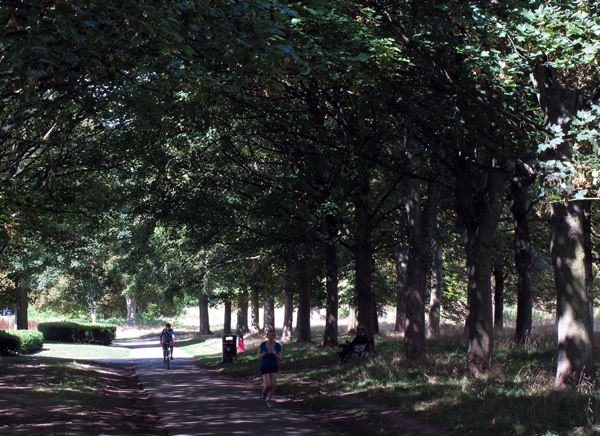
column 193, row 401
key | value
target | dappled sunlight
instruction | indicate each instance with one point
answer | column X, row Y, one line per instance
column 192, row 400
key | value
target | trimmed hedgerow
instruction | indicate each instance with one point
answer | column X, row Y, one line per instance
column 78, row 333
column 20, row 341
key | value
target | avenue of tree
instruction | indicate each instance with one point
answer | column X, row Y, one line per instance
column 325, row 153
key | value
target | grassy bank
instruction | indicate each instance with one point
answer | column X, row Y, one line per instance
column 516, row 397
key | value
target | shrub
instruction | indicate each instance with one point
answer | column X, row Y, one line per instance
column 8, row 343
column 78, row 333
column 30, row 340
column 20, row 341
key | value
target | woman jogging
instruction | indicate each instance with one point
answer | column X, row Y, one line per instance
column 270, row 353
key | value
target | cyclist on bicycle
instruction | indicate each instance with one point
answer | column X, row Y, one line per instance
column 167, row 339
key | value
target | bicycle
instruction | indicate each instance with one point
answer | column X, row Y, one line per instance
column 166, row 353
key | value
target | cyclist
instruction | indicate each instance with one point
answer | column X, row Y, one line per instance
column 167, row 338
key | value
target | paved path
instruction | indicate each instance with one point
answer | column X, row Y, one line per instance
column 193, row 401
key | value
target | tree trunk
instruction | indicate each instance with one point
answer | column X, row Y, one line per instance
column 420, row 224
column 498, row 298
column 131, row 311
column 522, row 244
column 375, row 320
column 575, row 323
column 330, row 335
column 269, row 312
column 303, row 280
column 288, row 316
column 21, row 321
column 401, row 260
column 351, row 327
column 93, row 311
column 435, row 299
column 254, row 323
column 570, row 234
column 288, row 305
column 363, row 260
column 227, row 318
column 479, row 235
column 203, row 309
column 241, row 327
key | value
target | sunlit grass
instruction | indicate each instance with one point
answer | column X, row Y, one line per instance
column 82, row 351
column 516, row 397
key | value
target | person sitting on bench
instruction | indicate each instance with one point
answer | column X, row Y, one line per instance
column 360, row 340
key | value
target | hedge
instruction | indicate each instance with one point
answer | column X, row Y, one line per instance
column 20, row 341
column 78, row 333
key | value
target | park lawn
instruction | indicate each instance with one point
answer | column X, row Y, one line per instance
column 82, row 351
column 517, row 397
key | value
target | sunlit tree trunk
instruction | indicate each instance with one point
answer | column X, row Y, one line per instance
column 227, row 318
column 570, row 231
column 131, row 310
column 574, row 300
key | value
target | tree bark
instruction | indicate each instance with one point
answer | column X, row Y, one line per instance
column 420, row 224
column 21, row 317
column 227, row 318
column 479, row 235
column 203, row 308
column 498, row 298
column 254, row 310
column 269, row 312
column 575, row 322
column 522, row 244
column 570, row 234
column 131, row 311
column 330, row 335
column 435, row 299
column 242, row 314
column 401, row 260
column 351, row 327
column 303, row 280
column 93, row 311
column 288, row 305
column 363, row 261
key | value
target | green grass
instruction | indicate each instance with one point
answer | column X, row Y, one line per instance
column 516, row 398
column 82, row 351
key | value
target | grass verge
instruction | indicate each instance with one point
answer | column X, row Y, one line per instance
column 516, row 398
column 47, row 396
